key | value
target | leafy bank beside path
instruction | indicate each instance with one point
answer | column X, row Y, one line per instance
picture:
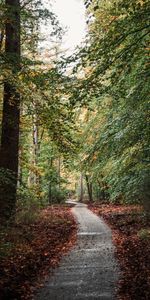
column 131, row 236
column 28, row 251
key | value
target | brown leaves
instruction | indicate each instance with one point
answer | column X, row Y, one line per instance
column 35, row 249
column 132, row 251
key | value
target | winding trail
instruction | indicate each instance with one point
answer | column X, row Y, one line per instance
column 90, row 270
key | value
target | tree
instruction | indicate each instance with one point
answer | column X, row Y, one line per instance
column 11, row 113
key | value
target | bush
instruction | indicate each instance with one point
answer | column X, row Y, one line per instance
column 28, row 205
column 57, row 196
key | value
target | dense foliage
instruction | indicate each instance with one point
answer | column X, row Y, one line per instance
column 115, row 87
column 45, row 125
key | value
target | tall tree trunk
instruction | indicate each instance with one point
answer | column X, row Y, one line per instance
column 81, row 188
column 11, row 114
column 50, row 184
column 103, row 189
column 1, row 38
column 89, row 188
column 59, row 172
column 37, row 135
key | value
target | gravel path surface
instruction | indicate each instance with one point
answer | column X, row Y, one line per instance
column 90, row 270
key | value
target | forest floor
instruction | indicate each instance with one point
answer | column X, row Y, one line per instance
column 89, row 271
column 131, row 236
column 29, row 250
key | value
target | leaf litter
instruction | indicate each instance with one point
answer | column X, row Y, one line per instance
column 30, row 251
column 131, row 236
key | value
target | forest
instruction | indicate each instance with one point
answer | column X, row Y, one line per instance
column 72, row 126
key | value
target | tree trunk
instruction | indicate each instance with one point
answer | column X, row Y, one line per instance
column 50, row 184
column 11, row 115
column 1, row 38
column 34, row 177
column 81, row 188
column 89, row 188
column 59, row 172
column 102, row 195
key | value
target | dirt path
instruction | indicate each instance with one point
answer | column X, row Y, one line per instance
column 90, row 270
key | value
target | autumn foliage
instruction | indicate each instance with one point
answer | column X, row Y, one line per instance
column 30, row 251
column 131, row 236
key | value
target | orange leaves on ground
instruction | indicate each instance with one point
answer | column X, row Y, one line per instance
column 35, row 250
column 132, row 249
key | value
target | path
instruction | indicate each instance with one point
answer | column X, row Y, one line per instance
column 90, row 270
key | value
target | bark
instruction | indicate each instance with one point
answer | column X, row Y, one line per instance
column 103, row 187
column 89, row 188
column 81, row 188
column 9, row 151
column 50, row 184
column 1, row 38
column 59, row 172
column 19, row 179
column 34, row 178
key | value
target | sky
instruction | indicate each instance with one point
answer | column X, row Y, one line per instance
column 71, row 14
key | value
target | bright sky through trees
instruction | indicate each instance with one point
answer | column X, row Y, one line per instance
column 71, row 14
